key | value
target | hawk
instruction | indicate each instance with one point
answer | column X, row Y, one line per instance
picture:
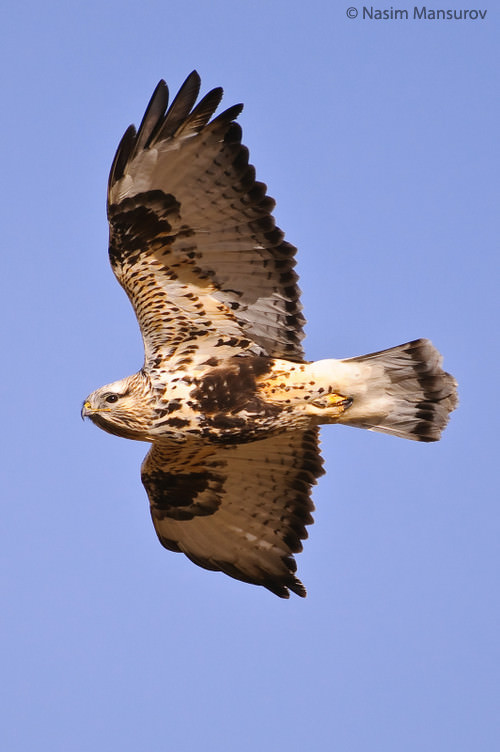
column 225, row 397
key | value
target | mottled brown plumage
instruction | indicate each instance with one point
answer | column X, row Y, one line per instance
column 225, row 397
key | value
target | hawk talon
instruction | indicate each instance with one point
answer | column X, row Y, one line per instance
column 334, row 401
column 337, row 400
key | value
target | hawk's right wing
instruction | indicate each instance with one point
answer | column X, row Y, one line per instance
column 241, row 509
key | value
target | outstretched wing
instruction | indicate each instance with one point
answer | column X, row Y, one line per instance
column 192, row 238
column 239, row 509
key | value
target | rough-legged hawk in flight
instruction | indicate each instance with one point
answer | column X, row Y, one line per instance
column 225, row 396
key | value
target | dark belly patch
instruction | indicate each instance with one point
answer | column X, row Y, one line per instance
column 231, row 387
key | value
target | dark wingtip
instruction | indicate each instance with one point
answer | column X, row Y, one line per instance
column 229, row 115
column 283, row 591
column 194, row 76
column 122, row 155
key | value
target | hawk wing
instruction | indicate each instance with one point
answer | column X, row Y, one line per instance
column 192, row 238
column 240, row 509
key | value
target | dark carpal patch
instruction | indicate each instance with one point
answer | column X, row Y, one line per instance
column 138, row 221
column 183, row 497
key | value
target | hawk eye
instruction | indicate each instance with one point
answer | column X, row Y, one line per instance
column 112, row 398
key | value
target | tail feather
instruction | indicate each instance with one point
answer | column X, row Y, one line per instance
column 402, row 391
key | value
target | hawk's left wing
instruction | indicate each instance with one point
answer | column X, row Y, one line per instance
column 239, row 509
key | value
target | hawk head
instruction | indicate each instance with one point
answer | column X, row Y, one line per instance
column 123, row 408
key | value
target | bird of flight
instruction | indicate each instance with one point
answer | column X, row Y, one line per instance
column 225, row 396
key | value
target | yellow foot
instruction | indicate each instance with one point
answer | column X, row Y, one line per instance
column 336, row 404
column 337, row 400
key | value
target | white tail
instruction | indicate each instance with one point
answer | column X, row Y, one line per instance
column 402, row 391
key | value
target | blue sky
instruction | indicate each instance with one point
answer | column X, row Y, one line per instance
column 379, row 140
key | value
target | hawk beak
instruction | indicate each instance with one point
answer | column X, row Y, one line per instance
column 86, row 408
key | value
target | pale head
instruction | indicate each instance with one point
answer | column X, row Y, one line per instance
column 123, row 408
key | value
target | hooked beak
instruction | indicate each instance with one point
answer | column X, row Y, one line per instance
column 87, row 410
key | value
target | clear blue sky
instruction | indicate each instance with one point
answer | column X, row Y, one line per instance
column 379, row 139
